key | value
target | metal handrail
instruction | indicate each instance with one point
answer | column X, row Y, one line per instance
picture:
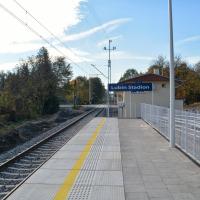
column 187, row 127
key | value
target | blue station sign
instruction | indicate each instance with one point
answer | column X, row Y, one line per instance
column 131, row 87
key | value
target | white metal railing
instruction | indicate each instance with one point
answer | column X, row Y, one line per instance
column 187, row 127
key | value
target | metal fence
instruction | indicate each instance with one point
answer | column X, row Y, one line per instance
column 187, row 127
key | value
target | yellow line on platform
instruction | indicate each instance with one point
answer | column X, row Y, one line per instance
column 65, row 188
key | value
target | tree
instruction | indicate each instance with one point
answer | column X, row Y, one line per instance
column 160, row 64
column 130, row 73
column 2, row 80
column 160, row 61
column 34, row 87
column 197, row 67
column 62, row 70
column 187, row 78
column 98, row 90
column 79, row 88
column 82, row 89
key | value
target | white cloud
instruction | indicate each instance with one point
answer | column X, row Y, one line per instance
column 189, row 39
column 7, row 66
column 105, row 42
column 19, row 47
column 108, row 25
column 122, row 55
column 192, row 59
column 74, row 55
column 57, row 15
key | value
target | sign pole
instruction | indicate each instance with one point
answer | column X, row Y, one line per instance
column 130, row 104
column 172, row 83
column 108, row 109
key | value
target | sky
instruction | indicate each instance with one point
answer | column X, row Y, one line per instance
column 138, row 29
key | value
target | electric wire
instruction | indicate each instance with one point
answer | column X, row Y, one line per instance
column 94, row 13
column 39, row 35
column 48, row 30
column 52, row 34
column 45, row 27
column 99, row 71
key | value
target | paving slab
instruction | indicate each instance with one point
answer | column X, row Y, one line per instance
column 152, row 170
column 89, row 166
column 126, row 160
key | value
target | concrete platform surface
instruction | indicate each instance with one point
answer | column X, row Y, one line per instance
column 153, row 171
column 111, row 159
column 87, row 167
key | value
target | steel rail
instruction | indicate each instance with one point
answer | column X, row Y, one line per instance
column 40, row 143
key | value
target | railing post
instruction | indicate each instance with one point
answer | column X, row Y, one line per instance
column 168, row 123
column 159, row 117
column 182, row 129
column 194, row 146
column 142, row 111
column 150, row 114
column 186, row 127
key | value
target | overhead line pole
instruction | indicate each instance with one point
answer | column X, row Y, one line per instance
column 172, row 82
column 109, row 49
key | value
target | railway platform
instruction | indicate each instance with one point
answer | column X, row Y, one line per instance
column 87, row 167
column 115, row 159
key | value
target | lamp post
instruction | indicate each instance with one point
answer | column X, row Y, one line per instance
column 172, row 82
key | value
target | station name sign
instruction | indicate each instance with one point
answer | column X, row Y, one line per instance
column 131, row 87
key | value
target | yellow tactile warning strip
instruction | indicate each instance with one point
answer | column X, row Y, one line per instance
column 69, row 181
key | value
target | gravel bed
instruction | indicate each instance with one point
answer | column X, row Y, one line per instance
column 22, row 147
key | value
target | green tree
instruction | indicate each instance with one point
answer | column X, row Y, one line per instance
column 79, row 88
column 129, row 74
column 98, row 91
column 82, row 90
column 2, row 80
column 62, row 71
column 34, row 87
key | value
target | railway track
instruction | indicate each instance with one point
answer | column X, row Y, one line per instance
column 15, row 171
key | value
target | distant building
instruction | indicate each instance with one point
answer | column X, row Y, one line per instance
column 129, row 102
